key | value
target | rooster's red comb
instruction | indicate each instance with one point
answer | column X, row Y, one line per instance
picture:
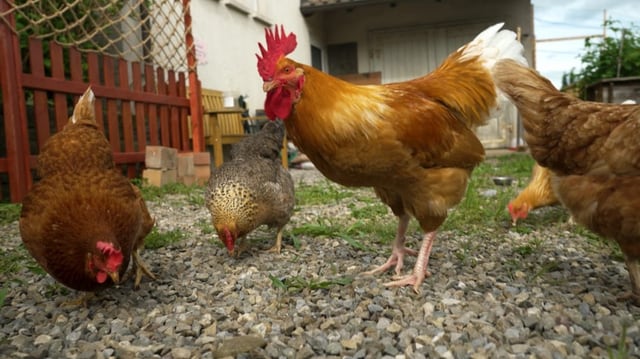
column 278, row 44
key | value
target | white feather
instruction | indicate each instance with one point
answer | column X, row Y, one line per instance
column 494, row 44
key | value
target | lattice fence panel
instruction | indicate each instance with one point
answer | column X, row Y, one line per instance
column 149, row 31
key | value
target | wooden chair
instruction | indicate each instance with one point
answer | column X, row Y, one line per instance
column 223, row 125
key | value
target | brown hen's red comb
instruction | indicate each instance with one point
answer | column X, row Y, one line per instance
column 278, row 44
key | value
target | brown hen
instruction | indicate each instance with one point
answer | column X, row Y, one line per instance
column 592, row 149
column 251, row 190
column 83, row 220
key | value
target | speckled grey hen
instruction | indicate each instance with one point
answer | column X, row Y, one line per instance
column 252, row 189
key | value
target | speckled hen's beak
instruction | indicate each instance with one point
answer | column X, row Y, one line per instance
column 115, row 276
column 268, row 85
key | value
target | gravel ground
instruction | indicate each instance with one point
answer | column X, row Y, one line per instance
column 482, row 300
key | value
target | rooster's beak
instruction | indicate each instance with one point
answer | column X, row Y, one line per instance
column 268, row 85
column 115, row 276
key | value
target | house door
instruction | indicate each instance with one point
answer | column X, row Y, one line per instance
column 405, row 53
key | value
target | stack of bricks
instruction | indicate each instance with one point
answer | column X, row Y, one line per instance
column 194, row 168
column 165, row 165
column 161, row 165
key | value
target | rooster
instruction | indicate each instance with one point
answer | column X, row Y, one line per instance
column 83, row 221
column 592, row 150
column 538, row 193
column 251, row 190
column 412, row 141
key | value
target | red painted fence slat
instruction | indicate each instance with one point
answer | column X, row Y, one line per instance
column 136, row 104
column 40, row 104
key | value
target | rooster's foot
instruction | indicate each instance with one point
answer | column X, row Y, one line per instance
column 397, row 259
column 414, row 280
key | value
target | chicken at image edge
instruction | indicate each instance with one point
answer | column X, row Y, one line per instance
column 83, row 220
column 593, row 152
column 252, row 189
column 412, row 141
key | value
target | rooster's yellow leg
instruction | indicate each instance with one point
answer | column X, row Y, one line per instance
column 420, row 269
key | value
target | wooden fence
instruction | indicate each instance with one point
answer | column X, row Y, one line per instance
column 136, row 105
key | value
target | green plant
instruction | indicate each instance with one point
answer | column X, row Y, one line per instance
column 321, row 193
column 613, row 56
column 296, row 283
column 205, row 226
column 369, row 210
column 194, row 194
column 621, row 352
column 9, row 212
column 157, row 239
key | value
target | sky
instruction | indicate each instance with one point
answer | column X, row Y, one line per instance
column 567, row 18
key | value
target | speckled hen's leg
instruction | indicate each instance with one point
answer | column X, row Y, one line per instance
column 420, row 269
column 399, row 250
column 276, row 247
column 633, row 267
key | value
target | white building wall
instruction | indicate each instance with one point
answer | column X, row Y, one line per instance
column 228, row 31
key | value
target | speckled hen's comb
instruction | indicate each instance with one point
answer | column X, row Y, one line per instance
column 278, row 44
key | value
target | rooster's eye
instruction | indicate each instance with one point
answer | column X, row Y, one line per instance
column 287, row 69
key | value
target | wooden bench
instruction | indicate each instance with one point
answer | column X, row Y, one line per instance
column 224, row 125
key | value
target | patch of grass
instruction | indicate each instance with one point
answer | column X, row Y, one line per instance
column 9, row 212
column 357, row 234
column 368, row 211
column 296, row 284
column 485, row 203
column 532, row 247
column 157, row 239
column 621, row 351
column 205, row 226
column 194, row 194
column 11, row 262
column 324, row 192
column 3, row 295
column 548, row 267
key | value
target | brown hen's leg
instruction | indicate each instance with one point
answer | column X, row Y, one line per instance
column 420, row 269
column 633, row 267
column 276, row 247
column 140, row 268
column 399, row 250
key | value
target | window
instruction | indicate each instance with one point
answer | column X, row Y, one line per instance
column 316, row 57
column 343, row 58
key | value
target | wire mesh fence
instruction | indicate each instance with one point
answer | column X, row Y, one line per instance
column 148, row 31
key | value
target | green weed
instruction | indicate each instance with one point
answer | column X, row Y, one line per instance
column 157, row 239
column 296, row 284
column 9, row 212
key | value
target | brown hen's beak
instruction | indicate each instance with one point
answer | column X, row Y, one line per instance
column 115, row 277
column 268, row 85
